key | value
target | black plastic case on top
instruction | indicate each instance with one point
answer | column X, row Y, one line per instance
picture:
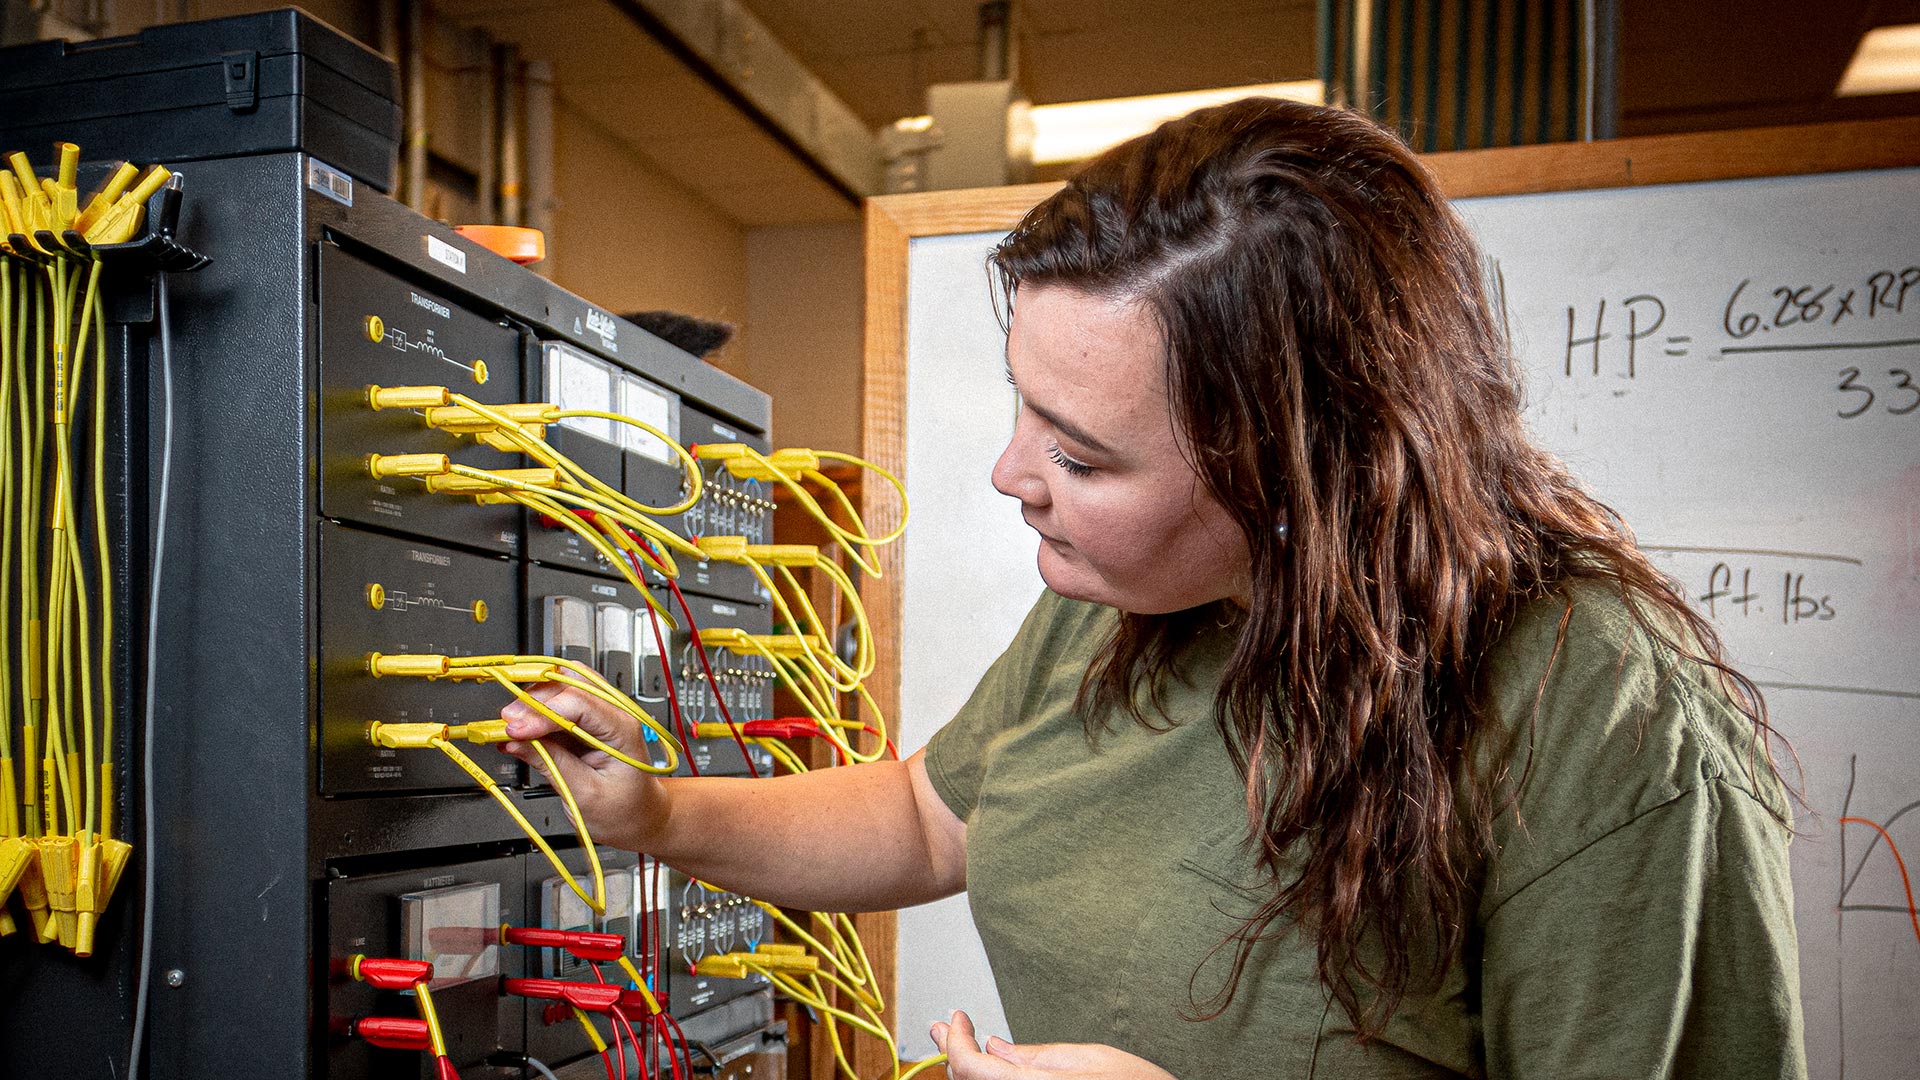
column 251, row 84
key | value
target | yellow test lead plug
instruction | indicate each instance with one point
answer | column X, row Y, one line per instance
column 414, row 736
column 461, row 419
column 421, row 736
column 801, row 555
column 101, row 866
column 36, row 211
column 13, row 204
column 388, row 466
column 496, row 481
column 723, row 966
column 16, row 852
column 738, row 965
column 63, row 195
column 103, row 200
column 498, row 439
column 481, row 732
column 121, row 221
column 435, row 403
column 417, row 665
column 13, row 219
column 735, row 549
column 407, row 397
column 515, row 671
column 747, row 463
column 59, row 865
column 741, row 643
column 723, row 548
column 33, row 897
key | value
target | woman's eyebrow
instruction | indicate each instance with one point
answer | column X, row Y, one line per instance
column 1071, row 431
column 1067, row 428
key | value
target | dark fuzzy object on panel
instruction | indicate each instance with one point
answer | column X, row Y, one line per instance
column 697, row 336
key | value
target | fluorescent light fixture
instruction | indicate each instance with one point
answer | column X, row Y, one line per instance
column 1073, row 130
column 1887, row 62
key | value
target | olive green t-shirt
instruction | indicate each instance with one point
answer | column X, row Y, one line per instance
column 1635, row 919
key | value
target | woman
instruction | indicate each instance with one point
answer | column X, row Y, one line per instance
column 1351, row 738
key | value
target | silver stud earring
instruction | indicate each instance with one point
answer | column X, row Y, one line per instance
column 1280, row 531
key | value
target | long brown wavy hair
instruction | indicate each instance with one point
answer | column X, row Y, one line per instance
column 1334, row 365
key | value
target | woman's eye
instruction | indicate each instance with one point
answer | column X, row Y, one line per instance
column 1060, row 458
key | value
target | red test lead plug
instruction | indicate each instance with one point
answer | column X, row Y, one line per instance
column 633, row 1005
column 394, row 1032
column 581, row 944
column 587, row 997
column 387, row 973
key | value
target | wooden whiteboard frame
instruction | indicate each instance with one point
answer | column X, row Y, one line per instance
column 893, row 222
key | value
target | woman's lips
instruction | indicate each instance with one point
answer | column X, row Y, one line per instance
column 1044, row 535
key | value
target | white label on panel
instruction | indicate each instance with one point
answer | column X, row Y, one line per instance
column 442, row 252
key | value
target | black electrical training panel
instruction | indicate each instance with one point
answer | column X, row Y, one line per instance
column 284, row 841
column 380, row 593
column 392, row 568
column 381, row 329
column 449, row 913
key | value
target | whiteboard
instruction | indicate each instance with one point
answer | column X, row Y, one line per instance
column 1734, row 366
column 969, row 577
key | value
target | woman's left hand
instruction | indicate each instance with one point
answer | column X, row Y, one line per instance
column 1002, row 1060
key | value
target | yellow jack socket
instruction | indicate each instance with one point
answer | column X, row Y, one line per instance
column 480, row 372
column 376, row 329
column 377, row 596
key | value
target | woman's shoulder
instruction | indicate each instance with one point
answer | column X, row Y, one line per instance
column 1597, row 715
column 1602, row 667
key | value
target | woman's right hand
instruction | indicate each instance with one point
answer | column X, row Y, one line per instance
column 623, row 806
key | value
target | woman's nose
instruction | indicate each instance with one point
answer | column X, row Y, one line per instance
column 1014, row 474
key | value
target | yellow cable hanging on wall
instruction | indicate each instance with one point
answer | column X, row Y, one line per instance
column 58, row 845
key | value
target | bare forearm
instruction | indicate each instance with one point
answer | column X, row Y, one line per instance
column 842, row 839
column 855, row 838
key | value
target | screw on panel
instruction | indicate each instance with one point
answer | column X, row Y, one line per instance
column 176, row 978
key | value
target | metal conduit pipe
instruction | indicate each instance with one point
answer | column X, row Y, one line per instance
column 539, row 154
column 486, row 169
column 416, row 74
column 512, row 165
column 996, row 41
